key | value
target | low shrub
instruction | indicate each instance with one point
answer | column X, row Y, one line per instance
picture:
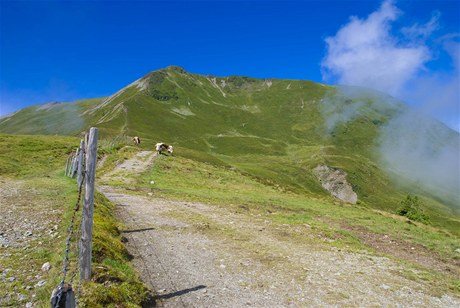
column 411, row 207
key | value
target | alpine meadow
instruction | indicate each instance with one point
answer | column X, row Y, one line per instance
column 360, row 169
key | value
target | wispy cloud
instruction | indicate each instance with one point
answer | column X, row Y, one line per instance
column 415, row 150
column 365, row 52
column 419, row 151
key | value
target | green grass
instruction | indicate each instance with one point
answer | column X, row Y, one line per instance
column 114, row 282
column 23, row 156
column 254, row 142
column 37, row 163
column 330, row 222
column 49, row 119
column 274, row 130
column 184, row 179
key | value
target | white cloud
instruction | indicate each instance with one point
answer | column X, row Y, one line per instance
column 364, row 52
column 416, row 31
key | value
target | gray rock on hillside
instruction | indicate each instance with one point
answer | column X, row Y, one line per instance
column 335, row 182
column 46, row 267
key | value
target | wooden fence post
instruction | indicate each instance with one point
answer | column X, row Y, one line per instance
column 66, row 166
column 74, row 164
column 80, row 163
column 88, row 207
column 71, row 162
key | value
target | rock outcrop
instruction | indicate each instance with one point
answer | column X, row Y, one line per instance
column 335, row 182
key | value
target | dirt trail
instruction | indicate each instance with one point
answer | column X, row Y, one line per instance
column 198, row 255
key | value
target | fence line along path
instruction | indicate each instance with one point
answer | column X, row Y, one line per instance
column 82, row 165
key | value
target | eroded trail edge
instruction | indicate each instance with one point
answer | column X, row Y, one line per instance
column 199, row 255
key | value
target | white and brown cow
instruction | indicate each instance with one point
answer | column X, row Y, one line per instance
column 160, row 147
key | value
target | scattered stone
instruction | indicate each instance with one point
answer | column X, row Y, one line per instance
column 385, row 287
column 11, row 279
column 29, row 305
column 46, row 267
column 457, row 250
column 41, row 283
column 28, row 233
column 3, row 240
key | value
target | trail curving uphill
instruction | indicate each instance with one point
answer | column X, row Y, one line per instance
column 199, row 255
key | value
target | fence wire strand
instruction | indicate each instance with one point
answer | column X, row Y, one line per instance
column 68, row 243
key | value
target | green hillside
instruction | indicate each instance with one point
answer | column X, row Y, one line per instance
column 35, row 195
column 276, row 131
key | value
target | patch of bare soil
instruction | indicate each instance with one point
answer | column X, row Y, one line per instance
column 137, row 164
column 199, row 255
column 408, row 251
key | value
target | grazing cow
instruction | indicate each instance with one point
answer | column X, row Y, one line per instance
column 160, row 147
column 137, row 140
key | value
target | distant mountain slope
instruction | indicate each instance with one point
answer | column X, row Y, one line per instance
column 275, row 130
column 56, row 118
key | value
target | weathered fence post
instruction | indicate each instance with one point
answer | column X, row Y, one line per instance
column 75, row 163
column 80, row 163
column 66, row 166
column 88, row 207
column 69, row 172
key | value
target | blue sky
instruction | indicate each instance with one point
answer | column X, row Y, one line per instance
column 69, row 50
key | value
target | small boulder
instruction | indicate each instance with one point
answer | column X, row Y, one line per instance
column 46, row 267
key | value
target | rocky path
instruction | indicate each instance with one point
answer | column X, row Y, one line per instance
column 198, row 255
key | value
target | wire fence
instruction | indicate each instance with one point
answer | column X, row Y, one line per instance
column 81, row 165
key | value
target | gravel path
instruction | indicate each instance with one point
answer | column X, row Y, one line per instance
column 198, row 255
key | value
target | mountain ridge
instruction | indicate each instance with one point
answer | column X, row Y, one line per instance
column 277, row 130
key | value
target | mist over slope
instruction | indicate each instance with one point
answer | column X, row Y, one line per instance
column 275, row 130
column 413, row 148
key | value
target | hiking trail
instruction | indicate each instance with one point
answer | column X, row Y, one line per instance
column 199, row 255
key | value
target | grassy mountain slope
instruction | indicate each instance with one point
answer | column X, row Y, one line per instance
column 276, row 131
column 36, row 197
column 48, row 119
